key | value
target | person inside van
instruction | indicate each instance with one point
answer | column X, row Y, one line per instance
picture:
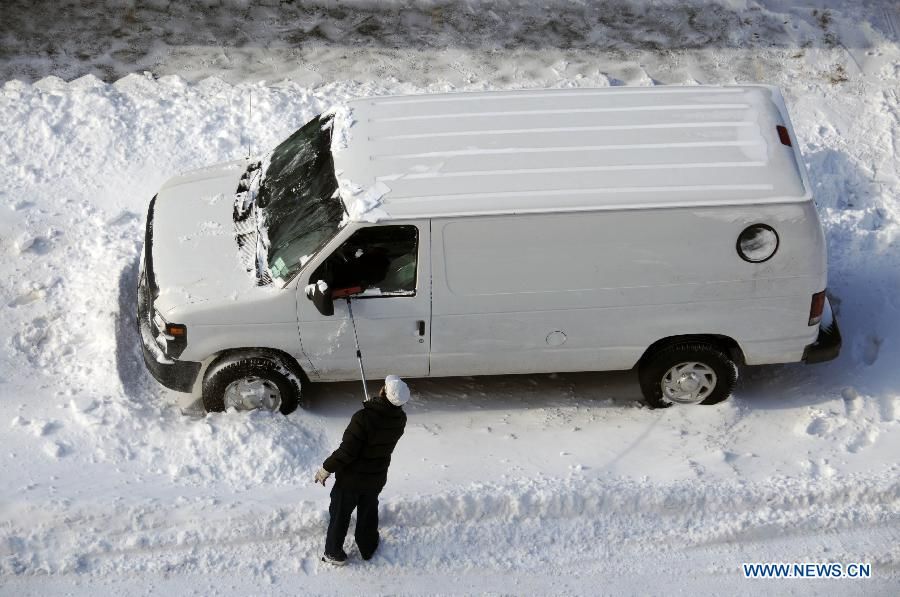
column 360, row 465
column 382, row 257
column 365, row 268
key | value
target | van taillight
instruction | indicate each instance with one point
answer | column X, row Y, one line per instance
column 816, row 308
column 783, row 135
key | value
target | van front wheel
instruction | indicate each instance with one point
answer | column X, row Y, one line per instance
column 689, row 373
column 251, row 383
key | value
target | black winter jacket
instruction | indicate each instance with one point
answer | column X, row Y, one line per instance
column 362, row 460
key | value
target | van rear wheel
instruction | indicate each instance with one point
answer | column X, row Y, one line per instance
column 251, row 383
column 688, row 373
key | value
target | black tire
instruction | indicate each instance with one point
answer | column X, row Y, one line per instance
column 655, row 366
column 224, row 372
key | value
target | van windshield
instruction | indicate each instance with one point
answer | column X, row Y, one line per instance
column 297, row 205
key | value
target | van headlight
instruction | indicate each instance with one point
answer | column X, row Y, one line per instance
column 171, row 337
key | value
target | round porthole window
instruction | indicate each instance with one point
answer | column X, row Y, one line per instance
column 757, row 243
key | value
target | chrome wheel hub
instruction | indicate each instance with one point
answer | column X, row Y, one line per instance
column 688, row 383
column 251, row 393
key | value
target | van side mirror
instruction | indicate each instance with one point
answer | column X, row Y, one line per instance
column 320, row 295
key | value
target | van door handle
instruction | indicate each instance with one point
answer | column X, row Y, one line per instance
column 420, row 326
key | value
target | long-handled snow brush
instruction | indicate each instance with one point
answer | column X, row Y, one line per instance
column 362, row 372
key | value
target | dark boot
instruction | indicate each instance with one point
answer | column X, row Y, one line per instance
column 335, row 560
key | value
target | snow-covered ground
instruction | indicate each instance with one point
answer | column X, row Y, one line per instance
column 525, row 484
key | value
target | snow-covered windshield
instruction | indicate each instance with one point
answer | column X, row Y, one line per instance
column 296, row 202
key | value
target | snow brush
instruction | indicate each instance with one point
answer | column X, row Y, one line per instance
column 346, row 294
column 362, row 372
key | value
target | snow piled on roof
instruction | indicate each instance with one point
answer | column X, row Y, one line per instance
column 362, row 204
column 340, row 123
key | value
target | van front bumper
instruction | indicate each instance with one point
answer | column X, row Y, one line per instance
column 175, row 375
column 828, row 343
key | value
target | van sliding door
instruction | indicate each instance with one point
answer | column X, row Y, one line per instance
column 522, row 294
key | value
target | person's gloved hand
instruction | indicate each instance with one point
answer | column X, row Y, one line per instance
column 322, row 475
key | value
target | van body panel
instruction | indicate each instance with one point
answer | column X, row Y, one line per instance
column 614, row 282
column 387, row 326
column 261, row 317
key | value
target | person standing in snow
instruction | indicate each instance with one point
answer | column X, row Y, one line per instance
column 360, row 466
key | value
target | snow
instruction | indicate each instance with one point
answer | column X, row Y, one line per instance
column 363, row 203
column 340, row 123
column 522, row 484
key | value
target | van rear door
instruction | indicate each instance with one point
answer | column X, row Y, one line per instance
column 393, row 314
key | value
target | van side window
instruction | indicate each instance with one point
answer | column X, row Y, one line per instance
column 380, row 259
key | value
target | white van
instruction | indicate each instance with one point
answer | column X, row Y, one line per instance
column 667, row 229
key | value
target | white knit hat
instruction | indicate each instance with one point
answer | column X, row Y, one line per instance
column 396, row 389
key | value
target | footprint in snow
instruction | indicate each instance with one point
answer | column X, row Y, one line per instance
column 32, row 336
column 39, row 245
column 819, row 426
column 309, row 566
column 862, row 440
column 820, row 469
column 44, row 428
column 124, row 218
column 871, row 347
column 29, row 297
column 887, row 408
column 56, row 450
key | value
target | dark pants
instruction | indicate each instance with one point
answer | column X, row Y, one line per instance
column 343, row 501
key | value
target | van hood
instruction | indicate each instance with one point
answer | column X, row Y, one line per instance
column 194, row 252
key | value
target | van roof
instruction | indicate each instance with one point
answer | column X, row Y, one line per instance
column 556, row 150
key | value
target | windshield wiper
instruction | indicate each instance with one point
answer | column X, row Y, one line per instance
column 244, row 198
column 263, row 275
